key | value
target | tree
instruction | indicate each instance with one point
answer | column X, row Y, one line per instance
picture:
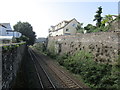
column 107, row 19
column 26, row 29
column 89, row 28
column 98, row 17
column 79, row 28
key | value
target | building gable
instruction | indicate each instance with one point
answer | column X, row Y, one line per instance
column 70, row 28
column 59, row 29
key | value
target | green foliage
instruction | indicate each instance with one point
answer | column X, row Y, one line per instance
column 116, row 71
column 11, row 47
column 94, row 74
column 107, row 19
column 24, row 38
column 40, row 47
column 26, row 29
column 90, row 28
column 79, row 28
column 52, row 54
column 61, row 58
column 103, row 23
column 18, row 40
column 101, row 29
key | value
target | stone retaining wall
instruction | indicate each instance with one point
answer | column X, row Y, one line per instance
column 105, row 46
column 11, row 60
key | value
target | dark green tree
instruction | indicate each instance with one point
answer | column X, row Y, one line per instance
column 89, row 28
column 26, row 29
column 79, row 28
column 98, row 17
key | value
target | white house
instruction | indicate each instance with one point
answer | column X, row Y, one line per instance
column 6, row 33
column 6, row 30
column 64, row 28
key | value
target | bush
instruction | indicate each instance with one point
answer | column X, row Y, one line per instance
column 41, row 47
column 61, row 58
column 101, row 29
column 96, row 75
column 51, row 54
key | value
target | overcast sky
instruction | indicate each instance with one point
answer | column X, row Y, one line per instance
column 41, row 14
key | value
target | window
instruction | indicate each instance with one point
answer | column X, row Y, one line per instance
column 73, row 25
column 67, row 34
column 7, row 32
column 50, row 34
column 67, row 29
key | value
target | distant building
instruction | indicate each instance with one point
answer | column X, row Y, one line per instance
column 41, row 40
column 64, row 28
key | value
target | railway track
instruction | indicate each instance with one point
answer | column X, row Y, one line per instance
column 43, row 77
column 67, row 80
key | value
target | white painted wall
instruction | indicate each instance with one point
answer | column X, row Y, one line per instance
column 59, row 32
column 56, row 33
column 2, row 31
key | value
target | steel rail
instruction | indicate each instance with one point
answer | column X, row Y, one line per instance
column 62, row 73
column 44, row 71
column 40, row 81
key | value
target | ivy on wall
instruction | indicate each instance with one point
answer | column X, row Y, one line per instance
column 11, row 46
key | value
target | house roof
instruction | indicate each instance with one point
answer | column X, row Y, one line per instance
column 6, row 25
column 3, row 26
column 67, row 22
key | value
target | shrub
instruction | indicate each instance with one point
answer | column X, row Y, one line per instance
column 96, row 75
column 61, row 58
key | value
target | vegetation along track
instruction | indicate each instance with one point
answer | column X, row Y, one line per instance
column 44, row 79
column 67, row 80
